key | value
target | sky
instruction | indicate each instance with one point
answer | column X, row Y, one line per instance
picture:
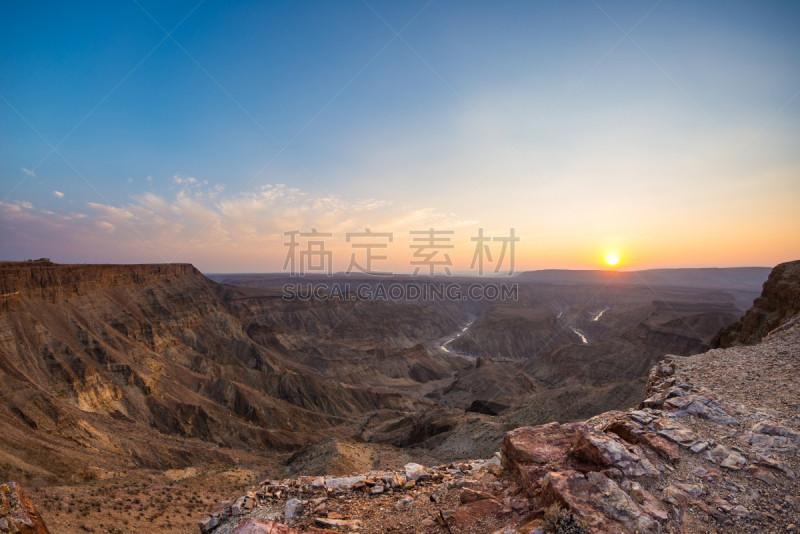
column 151, row 132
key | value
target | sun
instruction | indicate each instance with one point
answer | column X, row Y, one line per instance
column 611, row 257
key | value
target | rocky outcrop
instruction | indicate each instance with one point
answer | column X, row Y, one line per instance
column 700, row 454
column 51, row 282
column 17, row 513
column 779, row 301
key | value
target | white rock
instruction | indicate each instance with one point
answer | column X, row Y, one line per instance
column 416, row 472
column 293, row 509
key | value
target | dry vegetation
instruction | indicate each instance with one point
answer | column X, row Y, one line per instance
column 140, row 501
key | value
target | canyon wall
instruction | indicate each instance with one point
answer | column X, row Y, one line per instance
column 779, row 301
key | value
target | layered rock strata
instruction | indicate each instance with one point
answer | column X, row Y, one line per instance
column 715, row 447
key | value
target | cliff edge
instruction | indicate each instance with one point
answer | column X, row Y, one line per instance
column 778, row 303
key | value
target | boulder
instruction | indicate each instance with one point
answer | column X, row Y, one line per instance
column 606, row 450
column 18, row 513
column 344, row 482
column 292, row 509
column 763, row 475
column 598, row 501
column 470, row 495
column 634, row 428
column 534, row 451
column 735, row 460
column 416, row 472
column 667, row 450
column 544, row 444
column 208, row 524
column 675, row 432
column 242, row 505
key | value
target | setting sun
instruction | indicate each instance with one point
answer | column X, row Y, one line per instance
column 611, row 258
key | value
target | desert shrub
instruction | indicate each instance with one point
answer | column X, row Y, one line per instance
column 559, row 520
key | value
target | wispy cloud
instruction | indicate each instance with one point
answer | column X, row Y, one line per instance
column 59, row 194
column 29, row 173
column 188, row 180
column 245, row 229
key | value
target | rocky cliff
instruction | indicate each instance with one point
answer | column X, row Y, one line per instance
column 778, row 303
column 49, row 282
column 715, row 447
column 156, row 366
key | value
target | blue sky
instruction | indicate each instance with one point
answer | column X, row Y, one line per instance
column 543, row 116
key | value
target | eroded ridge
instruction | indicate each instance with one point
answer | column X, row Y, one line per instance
column 713, row 448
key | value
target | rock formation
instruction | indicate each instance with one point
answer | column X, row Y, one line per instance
column 17, row 513
column 156, row 366
column 777, row 305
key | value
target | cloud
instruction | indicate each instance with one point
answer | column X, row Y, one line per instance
column 59, row 194
column 183, row 180
column 9, row 208
column 130, row 180
column 26, row 205
column 149, row 178
column 206, row 227
column 29, row 173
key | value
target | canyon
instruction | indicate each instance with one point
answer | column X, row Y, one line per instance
column 117, row 376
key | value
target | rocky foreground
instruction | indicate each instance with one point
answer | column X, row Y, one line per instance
column 713, row 448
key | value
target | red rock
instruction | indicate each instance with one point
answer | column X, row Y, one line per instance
column 543, row 444
column 633, row 432
column 18, row 513
column 469, row 495
column 607, row 450
column 469, row 514
column 598, row 500
column 762, row 475
column 534, row 451
column 531, row 475
column 628, row 430
column 666, row 449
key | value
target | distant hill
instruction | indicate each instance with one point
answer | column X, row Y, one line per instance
column 732, row 278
